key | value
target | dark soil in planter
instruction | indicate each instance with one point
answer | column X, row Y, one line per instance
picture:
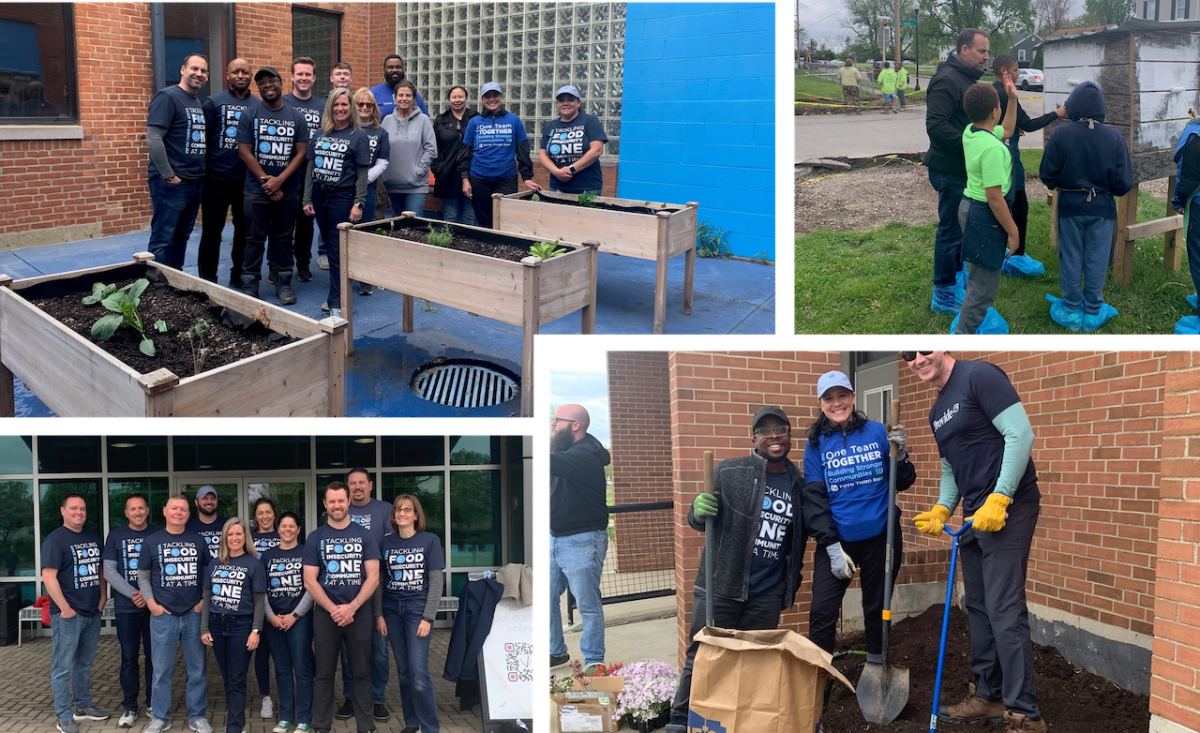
column 606, row 206
column 462, row 242
column 179, row 309
column 1071, row 699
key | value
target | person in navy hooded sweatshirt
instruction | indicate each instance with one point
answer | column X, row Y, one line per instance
column 1088, row 163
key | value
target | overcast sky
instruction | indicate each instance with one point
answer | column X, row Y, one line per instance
column 587, row 388
column 823, row 18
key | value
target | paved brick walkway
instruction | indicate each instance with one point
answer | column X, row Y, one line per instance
column 26, row 705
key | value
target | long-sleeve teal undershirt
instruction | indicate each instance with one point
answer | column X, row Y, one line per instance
column 1013, row 424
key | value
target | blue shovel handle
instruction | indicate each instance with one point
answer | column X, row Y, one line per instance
column 937, row 688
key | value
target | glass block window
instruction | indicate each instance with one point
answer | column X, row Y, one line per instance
column 531, row 49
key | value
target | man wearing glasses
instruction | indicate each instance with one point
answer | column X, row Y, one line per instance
column 759, row 541
column 578, row 530
column 985, row 441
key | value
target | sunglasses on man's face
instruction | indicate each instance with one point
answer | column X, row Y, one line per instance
column 911, row 356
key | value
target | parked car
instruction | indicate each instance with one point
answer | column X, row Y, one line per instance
column 1029, row 79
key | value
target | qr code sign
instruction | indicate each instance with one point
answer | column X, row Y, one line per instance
column 518, row 658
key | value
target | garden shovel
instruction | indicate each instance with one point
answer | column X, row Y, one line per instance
column 708, row 543
column 883, row 689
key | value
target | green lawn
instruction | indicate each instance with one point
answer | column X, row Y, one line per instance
column 881, row 282
column 810, row 86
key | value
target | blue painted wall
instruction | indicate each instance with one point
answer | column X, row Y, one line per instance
column 697, row 115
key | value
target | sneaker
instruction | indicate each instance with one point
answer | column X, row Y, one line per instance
column 268, row 711
column 1017, row 723
column 365, row 288
column 973, row 709
column 66, row 725
column 558, row 660
column 335, row 312
column 303, row 274
column 382, row 712
column 323, row 262
column 283, row 726
column 946, row 299
column 287, row 296
column 201, row 725
column 325, row 306
column 128, row 718
column 270, row 275
column 412, row 729
column 157, row 725
column 346, row 711
column 92, row 713
column 303, row 728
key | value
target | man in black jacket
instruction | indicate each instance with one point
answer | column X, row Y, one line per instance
column 578, row 530
column 945, row 121
column 758, row 541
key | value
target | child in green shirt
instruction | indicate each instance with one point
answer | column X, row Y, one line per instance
column 989, row 232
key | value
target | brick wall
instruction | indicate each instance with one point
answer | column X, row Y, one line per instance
column 640, row 419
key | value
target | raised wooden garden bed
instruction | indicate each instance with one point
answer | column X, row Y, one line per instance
column 75, row 378
column 644, row 229
column 528, row 293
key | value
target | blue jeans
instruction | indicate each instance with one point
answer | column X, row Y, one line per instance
column 229, row 635
column 458, row 210
column 168, row 633
column 262, row 665
column 332, row 206
column 412, row 664
column 576, row 561
column 175, row 209
column 1084, row 243
column 133, row 631
column 414, row 202
column 379, row 670
column 947, row 250
column 74, row 641
column 293, row 654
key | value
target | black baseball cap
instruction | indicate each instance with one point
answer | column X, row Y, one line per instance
column 769, row 411
column 267, row 71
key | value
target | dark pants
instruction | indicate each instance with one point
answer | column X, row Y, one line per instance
column 327, row 642
column 1193, row 242
column 303, row 233
column 333, row 207
column 1084, row 243
column 756, row 612
column 229, row 635
column 175, row 209
column 994, row 566
column 828, row 591
column 219, row 197
column 379, row 670
column 293, row 655
column 412, row 664
column 262, row 666
column 1020, row 215
column 947, row 250
column 268, row 219
column 481, row 197
column 133, row 633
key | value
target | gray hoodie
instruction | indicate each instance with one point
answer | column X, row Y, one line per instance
column 413, row 150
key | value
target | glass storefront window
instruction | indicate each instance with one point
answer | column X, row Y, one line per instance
column 16, row 454
column 414, row 451
column 475, row 518
column 16, row 527
column 227, row 497
column 345, row 453
column 429, row 488
column 156, row 491
column 37, row 63
column 205, row 28
column 54, row 491
column 68, row 454
column 242, row 453
column 474, row 450
column 287, row 495
column 127, row 454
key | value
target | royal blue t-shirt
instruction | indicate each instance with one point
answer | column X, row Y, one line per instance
column 337, row 157
column 210, row 532
column 312, row 109
column 385, row 97
column 124, row 546
column 494, row 140
column 339, row 554
column 76, row 557
column 961, row 417
column 233, row 584
column 264, row 541
column 177, row 565
column 222, row 112
column 854, row 469
column 565, row 143
column 374, row 517
column 285, row 578
column 381, row 147
column 768, row 559
column 406, row 565
column 273, row 135
column 182, row 116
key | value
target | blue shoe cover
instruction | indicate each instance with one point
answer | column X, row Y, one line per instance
column 946, row 299
column 993, row 323
column 1023, row 266
column 960, row 279
column 1191, row 299
column 1093, row 322
column 1188, row 326
column 1064, row 316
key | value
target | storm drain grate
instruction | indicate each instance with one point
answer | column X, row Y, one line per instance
column 464, row 383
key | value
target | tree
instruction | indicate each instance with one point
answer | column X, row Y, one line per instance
column 1052, row 15
column 1110, row 11
column 942, row 20
column 864, row 17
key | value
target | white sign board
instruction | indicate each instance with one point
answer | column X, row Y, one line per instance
column 508, row 662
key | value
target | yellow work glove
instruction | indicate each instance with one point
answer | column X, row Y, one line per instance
column 991, row 516
column 932, row 521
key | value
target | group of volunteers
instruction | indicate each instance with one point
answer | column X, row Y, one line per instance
column 280, row 162
column 765, row 508
column 892, row 82
column 975, row 166
column 368, row 577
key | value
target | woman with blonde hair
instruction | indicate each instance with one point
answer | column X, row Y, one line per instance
column 410, row 582
column 231, row 615
column 367, row 109
column 336, row 181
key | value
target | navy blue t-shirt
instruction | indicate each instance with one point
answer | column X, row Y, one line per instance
column 961, row 417
column 76, row 557
column 769, row 557
column 177, row 565
column 494, row 139
column 273, row 135
column 566, row 142
column 222, row 111
column 375, row 517
column 339, row 555
column 407, row 563
column 233, row 584
column 337, row 156
column 381, row 147
column 182, row 116
column 285, row 577
column 264, row 541
column 312, row 109
column 210, row 532
column 124, row 546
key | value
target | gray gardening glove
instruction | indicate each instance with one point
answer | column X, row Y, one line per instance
column 900, row 438
column 841, row 564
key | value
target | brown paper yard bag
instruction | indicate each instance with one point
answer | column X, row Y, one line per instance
column 758, row 682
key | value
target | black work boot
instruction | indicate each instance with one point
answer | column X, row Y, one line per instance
column 283, row 287
column 249, row 285
column 271, row 272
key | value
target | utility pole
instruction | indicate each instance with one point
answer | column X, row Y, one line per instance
column 896, row 25
column 798, row 49
column 917, row 53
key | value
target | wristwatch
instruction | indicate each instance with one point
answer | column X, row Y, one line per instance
column 572, row 169
column 254, row 631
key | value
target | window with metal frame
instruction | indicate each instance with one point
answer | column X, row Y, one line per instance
column 180, row 29
column 317, row 34
column 37, row 64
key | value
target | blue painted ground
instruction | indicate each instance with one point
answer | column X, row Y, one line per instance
column 730, row 297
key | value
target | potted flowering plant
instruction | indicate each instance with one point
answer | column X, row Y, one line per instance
column 647, row 693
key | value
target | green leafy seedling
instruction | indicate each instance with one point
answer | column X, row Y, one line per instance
column 535, row 198
column 124, row 304
column 195, row 338
column 588, row 199
column 100, row 291
column 381, row 231
column 546, row 250
column 440, row 237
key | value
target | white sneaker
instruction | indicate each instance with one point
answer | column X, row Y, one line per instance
column 267, row 711
column 323, row 262
column 335, row 312
column 201, row 725
column 157, row 726
column 128, row 718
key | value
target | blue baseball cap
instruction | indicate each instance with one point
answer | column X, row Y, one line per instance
column 491, row 86
column 568, row 89
column 205, row 491
column 832, row 379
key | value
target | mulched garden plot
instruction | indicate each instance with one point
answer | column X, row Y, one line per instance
column 179, row 309
column 1072, row 700
column 464, row 243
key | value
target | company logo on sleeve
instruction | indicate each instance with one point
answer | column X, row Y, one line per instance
column 228, row 584
column 180, row 563
column 85, row 565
